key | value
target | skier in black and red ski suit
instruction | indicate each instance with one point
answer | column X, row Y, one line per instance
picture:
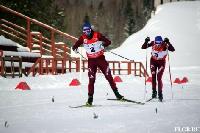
column 94, row 43
column 157, row 62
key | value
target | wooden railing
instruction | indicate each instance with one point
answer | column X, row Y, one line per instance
column 116, row 67
column 59, row 53
column 8, row 67
column 29, row 37
column 36, row 41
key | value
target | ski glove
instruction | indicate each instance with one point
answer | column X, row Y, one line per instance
column 166, row 40
column 147, row 39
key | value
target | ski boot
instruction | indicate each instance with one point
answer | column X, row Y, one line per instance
column 89, row 102
column 154, row 94
column 160, row 96
column 118, row 96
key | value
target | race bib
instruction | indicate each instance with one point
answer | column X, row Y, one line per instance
column 93, row 47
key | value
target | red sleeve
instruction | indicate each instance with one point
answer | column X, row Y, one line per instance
column 106, row 42
column 146, row 45
column 78, row 43
column 171, row 48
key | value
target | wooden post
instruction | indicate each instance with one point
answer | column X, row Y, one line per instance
column 53, row 43
column 40, row 42
column 140, row 69
column 63, row 65
column 135, row 69
column 119, row 70
column 12, row 67
column 41, row 66
column 113, row 68
column 2, row 62
column 53, row 49
column 55, row 61
column 129, row 67
column 2, row 66
column 70, row 65
column 77, row 65
column 20, row 67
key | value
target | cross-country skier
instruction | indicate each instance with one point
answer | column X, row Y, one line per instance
column 157, row 62
column 94, row 43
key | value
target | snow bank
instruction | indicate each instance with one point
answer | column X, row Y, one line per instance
column 180, row 22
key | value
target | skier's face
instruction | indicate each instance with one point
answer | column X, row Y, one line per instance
column 87, row 31
column 158, row 42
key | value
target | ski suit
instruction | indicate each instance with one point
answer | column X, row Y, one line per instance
column 157, row 62
column 95, row 52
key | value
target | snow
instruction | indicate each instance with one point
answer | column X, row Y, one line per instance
column 23, row 54
column 60, row 43
column 180, row 22
column 23, row 49
column 33, row 111
column 8, row 42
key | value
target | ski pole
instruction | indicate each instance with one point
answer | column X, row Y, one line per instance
column 145, row 78
column 81, row 55
column 170, row 76
column 121, row 56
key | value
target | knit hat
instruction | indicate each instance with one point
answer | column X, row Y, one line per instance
column 86, row 26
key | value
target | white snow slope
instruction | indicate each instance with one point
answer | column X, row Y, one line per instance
column 180, row 22
column 34, row 112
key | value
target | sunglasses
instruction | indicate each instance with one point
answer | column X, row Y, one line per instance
column 158, row 42
column 87, row 31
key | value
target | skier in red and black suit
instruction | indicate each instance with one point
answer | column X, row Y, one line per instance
column 157, row 62
column 94, row 43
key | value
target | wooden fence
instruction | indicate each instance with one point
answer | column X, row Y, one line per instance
column 59, row 59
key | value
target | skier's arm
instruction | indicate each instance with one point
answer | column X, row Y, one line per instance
column 106, row 42
column 169, row 45
column 146, row 44
column 78, row 43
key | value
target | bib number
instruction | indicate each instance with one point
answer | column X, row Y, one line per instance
column 92, row 49
column 155, row 55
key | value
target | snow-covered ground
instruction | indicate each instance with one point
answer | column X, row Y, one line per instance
column 33, row 111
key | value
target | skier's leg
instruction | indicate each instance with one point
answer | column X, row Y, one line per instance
column 161, row 69
column 104, row 67
column 92, row 69
column 153, row 68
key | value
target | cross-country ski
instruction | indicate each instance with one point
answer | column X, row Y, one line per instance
column 127, row 100
column 81, row 106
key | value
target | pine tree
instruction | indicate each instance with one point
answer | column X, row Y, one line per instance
column 130, row 26
column 147, row 9
column 45, row 11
